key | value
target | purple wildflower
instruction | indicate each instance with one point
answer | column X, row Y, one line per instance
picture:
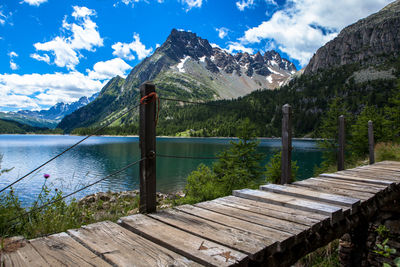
column 46, row 175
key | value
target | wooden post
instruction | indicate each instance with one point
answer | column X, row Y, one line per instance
column 342, row 140
column 371, row 142
column 286, row 163
column 147, row 144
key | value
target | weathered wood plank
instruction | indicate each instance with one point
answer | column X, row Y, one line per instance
column 122, row 247
column 355, row 185
column 191, row 246
column 339, row 187
column 312, row 220
column 17, row 251
column 62, row 250
column 273, row 239
column 276, row 225
column 334, row 212
column 388, row 169
column 377, row 174
column 357, row 179
column 246, row 242
column 313, row 195
column 369, row 175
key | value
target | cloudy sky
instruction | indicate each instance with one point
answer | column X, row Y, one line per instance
column 57, row 51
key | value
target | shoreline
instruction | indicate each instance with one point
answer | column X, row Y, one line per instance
column 177, row 137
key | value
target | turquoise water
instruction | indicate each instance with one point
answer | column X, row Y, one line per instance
column 100, row 156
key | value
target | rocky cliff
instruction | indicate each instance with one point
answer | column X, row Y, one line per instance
column 367, row 41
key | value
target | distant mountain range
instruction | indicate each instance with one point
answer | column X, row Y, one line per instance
column 48, row 118
column 188, row 67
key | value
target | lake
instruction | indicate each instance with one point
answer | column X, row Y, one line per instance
column 100, row 156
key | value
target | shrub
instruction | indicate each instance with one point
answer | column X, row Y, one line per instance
column 273, row 171
column 387, row 151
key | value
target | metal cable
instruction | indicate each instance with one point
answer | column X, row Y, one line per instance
column 71, row 147
column 79, row 190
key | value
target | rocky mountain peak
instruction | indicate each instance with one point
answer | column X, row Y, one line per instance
column 364, row 42
column 182, row 43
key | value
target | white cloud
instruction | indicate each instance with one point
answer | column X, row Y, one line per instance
column 297, row 29
column 38, row 57
column 157, row 46
column 2, row 18
column 243, row 4
column 222, row 32
column 108, row 69
column 237, row 47
column 34, row 2
column 13, row 65
column 125, row 50
column 16, row 91
column 192, row 3
column 83, row 36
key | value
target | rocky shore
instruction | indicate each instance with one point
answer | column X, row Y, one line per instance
column 107, row 204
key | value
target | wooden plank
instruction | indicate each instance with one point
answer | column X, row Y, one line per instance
column 273, row 239
column 62, row 250
column 17, row 251
column 193, row 247
column 369, row 174
column 122, row 247
column 388, row 163
column 313, row 220
column 389, row 169
column 353, row 203
column 355, row 185
column 339, row 187
column 379, row 173
column 222, row 211
column 246, row 242
column 378, row 170
column 357, row 179
column 334, row 212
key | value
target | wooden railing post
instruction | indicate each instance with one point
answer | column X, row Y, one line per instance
column 371, row 142
column 286, row 163
column 147, row 144
column 342, row 140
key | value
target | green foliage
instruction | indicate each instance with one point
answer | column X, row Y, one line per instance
column 359, row 130
column 383, row 248
column 327, row 256
column 387, row 151
column 13, row 127
column 273, row 171
column 237, row 167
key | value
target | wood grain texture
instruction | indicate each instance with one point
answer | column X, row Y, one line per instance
column 62, row 250
column 122, row 247
column 357, row 179
column 270, row 236
column 334, row 212
column 313, row 195
column 244, row 241
column 309, row 219
column 340, row 188
column 191, row 246
column 19, row 252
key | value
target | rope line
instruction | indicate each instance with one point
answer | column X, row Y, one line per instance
column 153, row 97
column 79, row 190
column 68, row 149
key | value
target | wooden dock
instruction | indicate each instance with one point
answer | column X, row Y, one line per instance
column 273, row 226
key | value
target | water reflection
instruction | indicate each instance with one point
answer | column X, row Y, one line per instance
column 100, row 156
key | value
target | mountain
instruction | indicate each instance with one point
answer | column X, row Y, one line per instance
column 367, row 42
column 187, row 67
column 346, row 74
column 48, row 118
column 13, row 127
column 189, row 63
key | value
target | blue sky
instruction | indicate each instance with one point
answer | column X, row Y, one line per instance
column 53, row 51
